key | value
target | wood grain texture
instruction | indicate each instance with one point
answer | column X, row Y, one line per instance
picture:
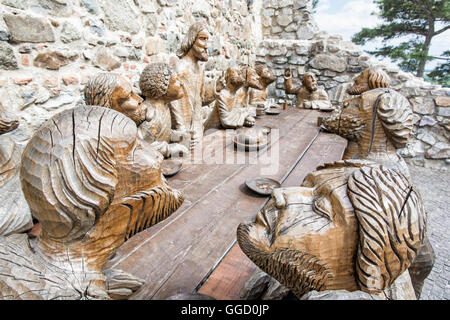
column 15, row 215
column 196, row 236
column 377, row 121
column 307, row 237
column 92, row 184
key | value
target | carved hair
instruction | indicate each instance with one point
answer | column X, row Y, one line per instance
column 377, row 78
column 391, row 219
column 155, row 79
column 190, row 38
column 7, row 123
column 99, row 89
column 259, row 67
column 68, row 171
column 396, row 117
column 391, row 225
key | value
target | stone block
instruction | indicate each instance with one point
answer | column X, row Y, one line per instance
column 8, row 60
column 120, row 15
column 28, row 28
column 330, row 62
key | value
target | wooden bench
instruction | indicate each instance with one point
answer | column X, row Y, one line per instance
column 195, row 249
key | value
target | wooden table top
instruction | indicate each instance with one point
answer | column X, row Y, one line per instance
column 195, row 250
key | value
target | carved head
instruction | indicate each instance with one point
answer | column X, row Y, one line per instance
column 267, row 76
column 159, row 81
column 113, row 91
column 351, row 225
column 251, row 78
column 369, row 79
column 309, row 81
column 234, row 78
column 92, row 183
column 197, row 41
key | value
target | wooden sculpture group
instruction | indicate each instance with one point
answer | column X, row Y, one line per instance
column 91, row 178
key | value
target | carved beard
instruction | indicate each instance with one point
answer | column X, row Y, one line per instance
column 348, row 126
column 269, row 79
column 200, row 53
column 300, row 272
column 147, row 208
column 312, row 87
column 138, row 116
column 357, row 89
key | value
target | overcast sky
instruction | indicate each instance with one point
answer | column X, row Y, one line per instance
column 347, row 17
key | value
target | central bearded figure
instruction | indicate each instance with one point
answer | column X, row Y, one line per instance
column 187, row 113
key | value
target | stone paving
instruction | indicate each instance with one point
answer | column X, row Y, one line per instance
column 434, row 185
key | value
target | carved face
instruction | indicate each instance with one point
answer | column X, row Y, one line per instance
column 252, row 79
column 199, row 48
column 360, row 84
column 316, row 221
column 267, row 76
column 310, row 82
column 351, row 225
column 127, row 102
column 174, row 90
column 234, row 77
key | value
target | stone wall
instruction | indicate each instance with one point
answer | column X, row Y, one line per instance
column 336, row 62
column 288, row 19
column 50, row 48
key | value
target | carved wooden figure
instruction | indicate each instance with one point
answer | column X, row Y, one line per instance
column 309, row 96
column 251, row 81
column 111, row 90
column 160, row 85
column 377, row 121
column 228, row 111
column 92, row 183
column 266, row 77
column 187, row 113
column 15, row 215
column 352, row 225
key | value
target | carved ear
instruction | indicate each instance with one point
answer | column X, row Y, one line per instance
column 392, row 222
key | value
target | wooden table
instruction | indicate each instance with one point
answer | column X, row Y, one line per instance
column 195, row 250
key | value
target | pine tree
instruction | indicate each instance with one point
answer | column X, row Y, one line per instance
column 419, row 20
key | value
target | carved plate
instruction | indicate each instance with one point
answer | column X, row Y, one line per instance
column 171, row 167
column 266, row 130
column 263, row 186
column 274, row 110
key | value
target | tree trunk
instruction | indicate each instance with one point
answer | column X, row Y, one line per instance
column 426, row 49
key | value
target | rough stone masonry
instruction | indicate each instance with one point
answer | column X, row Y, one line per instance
column 50, row 48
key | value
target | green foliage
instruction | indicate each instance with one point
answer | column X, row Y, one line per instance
column 417, row 20
column 441, row 74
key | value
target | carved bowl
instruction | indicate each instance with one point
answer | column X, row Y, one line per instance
column 250, row 139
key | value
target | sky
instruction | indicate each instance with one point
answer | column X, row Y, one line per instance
column 347, row 17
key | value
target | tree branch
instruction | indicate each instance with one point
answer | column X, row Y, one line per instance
column 442, row 30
